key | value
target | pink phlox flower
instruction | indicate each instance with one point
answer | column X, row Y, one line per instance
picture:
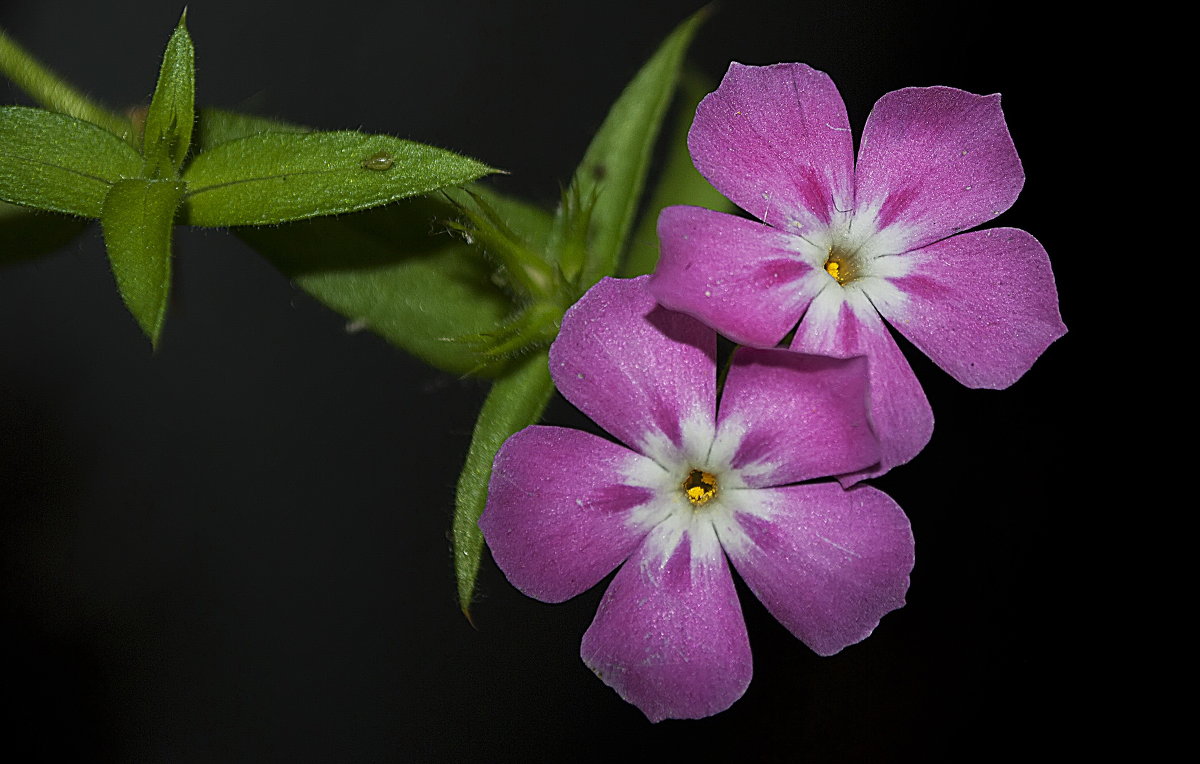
column 690, row 489
column 842, row 244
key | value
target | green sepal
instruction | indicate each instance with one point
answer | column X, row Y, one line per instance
column 569, row 237
column 217, row 126
column 389, row 271
column 679, row 183
column 278, row 177
column 172, row 113
column 28, row 233
column 514, row 402
column 138, row 218
column 526, row 271
column 614, row 168
column 59, row 163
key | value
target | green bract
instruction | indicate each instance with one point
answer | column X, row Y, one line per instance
column 679, row 183
column 241, row 170
column 383, row 271
column 55, row 162
column 613, row 170
column 137, row 221
column 168, row 130
column 514, row 402
column 217, row 126
column 466, row 279
column 589, row 236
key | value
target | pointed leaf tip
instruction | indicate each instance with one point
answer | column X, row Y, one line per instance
column 616, row 163
column 172, row 113
column 137, row 223
column 515, row 402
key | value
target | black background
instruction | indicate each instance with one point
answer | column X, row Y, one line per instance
column 236, row 548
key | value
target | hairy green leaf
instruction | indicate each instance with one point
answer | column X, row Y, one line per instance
column 169, row 121
column 28, row 233
column 59, row 163
column 397, row 272
column 680, row 182
column 615, row 165
column 138, row 217
column 515, row 402
column 277, row 177
column 217, row 126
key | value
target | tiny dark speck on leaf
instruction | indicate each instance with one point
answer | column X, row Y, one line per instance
column 379, row 162
column 599, row 171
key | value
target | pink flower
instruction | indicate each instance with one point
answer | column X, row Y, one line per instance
column 689, row 487
column 846, row 243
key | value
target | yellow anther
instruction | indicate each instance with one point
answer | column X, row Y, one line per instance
column 842, row 266
column 700, row 486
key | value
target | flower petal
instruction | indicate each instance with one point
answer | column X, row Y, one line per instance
column 560, row 514
column 787, row 417
column 669, row 635
column 743, row 278
column 982, row 305
column 776, row 141
column 642, row 372
column 841, row 322
column 933, row 162
column 828, row 563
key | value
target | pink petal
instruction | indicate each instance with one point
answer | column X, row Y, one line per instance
column 982, row 305
column 638, row 370
column 842, row 323
column 669, row 635
column 796, row 417
column 775, row 140
column 558, row 516
column 828, row 563
column 933, row 162
column 743, row 278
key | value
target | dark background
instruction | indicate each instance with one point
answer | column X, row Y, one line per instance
column 236, row 548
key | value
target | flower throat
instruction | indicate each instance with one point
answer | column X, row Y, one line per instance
column 842, row 266
column 699, row 487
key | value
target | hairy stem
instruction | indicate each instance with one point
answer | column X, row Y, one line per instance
column 51, row 92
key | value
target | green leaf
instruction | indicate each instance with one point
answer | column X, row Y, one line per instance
column 680, row 182
column 138, row 217
column 514, row 402
column 394, row 272
column 27, row 233
column 615, row 165
column 217, row 126
column 59, row 163
column 277, row 177
column 169, row 121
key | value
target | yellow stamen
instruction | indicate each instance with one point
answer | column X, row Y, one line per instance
column 700, row 486
column 841, row 266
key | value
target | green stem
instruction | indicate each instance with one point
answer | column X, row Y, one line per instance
column 47, row 89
